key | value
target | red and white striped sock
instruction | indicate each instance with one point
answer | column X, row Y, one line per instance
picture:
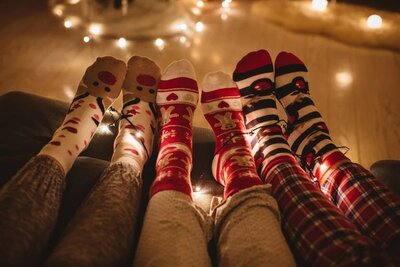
column 100, row 86
column 134, row 141
column 233, row 165
column 177, row 98
column 307, row 132
column 254, row 75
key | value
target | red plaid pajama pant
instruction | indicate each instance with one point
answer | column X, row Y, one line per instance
column 318, row 232
column 369, row 204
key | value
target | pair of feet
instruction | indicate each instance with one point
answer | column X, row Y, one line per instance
column 101, row 84
column 258, row 84
column 261, row 83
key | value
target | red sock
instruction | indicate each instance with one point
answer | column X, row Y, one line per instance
column 177, row 97
column 233, row 165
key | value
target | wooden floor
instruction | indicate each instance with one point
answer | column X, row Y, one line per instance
column 356, row 89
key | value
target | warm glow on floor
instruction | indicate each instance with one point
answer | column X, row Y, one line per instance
column 344, row 79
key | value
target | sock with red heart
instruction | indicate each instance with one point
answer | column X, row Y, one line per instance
column 177, row 98
column 233, row 165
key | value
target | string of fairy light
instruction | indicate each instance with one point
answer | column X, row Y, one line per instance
column 95, row 30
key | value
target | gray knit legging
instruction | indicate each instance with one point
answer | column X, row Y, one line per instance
column 102, row 228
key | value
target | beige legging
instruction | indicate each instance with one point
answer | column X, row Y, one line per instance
column 175, row 233
column 246, row 228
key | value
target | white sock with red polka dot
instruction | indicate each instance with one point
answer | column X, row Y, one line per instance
column 100, row 86
column 134, row 142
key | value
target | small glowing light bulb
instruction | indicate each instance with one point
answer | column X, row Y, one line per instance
column 199, row 26
column 225, row 4
column 67, row 24
column 159, row 43
column 58, row 10
column 183, row 26
column 86, row 39
column 200, row 4
column 319, row 5
column 196, row 11
column 197, row 188
column 374, row 22
column 182, row 39
column 95, row 29
column 104, row 129
column 122, row 42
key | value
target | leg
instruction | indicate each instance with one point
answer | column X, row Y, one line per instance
column 247, row 224
column 316, row 230
column 248, row 230
column 29, row 202
column 174, row 230
column 29, row 205
column 102, row 231
column 361, row 197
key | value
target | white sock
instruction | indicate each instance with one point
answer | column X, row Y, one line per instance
column 134, row 142
column 100, row 86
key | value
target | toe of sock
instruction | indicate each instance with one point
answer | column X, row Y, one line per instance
column 217, row 80
column 104, row 77
column 219, row 93
column 252, row 61
column 179, row 68
column 178, row 84
column 285, row 59
column 138, row 61
column 142, row 78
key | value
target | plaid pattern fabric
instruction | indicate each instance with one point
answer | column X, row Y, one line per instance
column 317, row 231
column 365, row 201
